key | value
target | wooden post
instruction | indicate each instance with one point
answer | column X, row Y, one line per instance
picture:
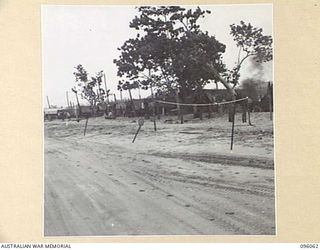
column 85, row 128
column 200, row 113
column 230, row 115
column 78, row 104
column 163, row 109
column 210, row 111
column 180, row 115
column 132, row 103
column 139, row 92
column 48, row 102
column 98, row 95
column 140, row 123
column 153, row 110
column 68, row 104
column 76, row 93
column 233, row 120
column 105, row 86
column 201, row 96
column 249, row 103
column 249, row 120
column 135, row 136
column 158, row 110
column 244, row 109
column 76, row 109
column 120, row 94
column 270, row 100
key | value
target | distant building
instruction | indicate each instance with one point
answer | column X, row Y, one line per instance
column 50, row 113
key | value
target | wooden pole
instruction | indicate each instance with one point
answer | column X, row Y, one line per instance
column 98, row 95
column 163, row 108
column 105, row 86
column 76, row 93
column 48, row 102
column 120, row 94
column 136, row 134
column 153, row 110
column 178, row 106
column 68, row 104
column 85, row 128
column 233, row 120
column 77, row 115
column 270, row 99
column 249, row 106
column 139, row 92
column 132, row 103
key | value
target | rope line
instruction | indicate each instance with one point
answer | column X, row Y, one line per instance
column 202, row 104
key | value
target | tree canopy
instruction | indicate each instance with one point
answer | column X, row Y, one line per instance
column 171, row 52
column 89, row 88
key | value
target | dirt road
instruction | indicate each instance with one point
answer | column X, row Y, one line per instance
column 102, row 184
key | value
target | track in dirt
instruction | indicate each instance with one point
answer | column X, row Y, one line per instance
column 254, row 162
column 97, row 186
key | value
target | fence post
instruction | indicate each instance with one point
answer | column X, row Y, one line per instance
column 233, row 120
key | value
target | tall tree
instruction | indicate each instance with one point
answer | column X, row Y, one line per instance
column 252, row 44
column 90, row 89
column 172, row 52
column 129, row 86
column 170, row 39
column 169, row 54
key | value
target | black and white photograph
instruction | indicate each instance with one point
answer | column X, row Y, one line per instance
column 158, row 120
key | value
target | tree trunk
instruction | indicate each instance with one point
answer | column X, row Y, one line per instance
column 231, row 111
column 132, row 103
column 194, row 111
column 249, row 104
column 92, row 106
column 200, row 107
column 224, row 82
column 48, row 102
column 180, row 115
column 244, row 106
column 79, row 111
column 153, row 110
column 209, row 111
column 244, row 115
column 249, row 120
column 158, row 111
column 270, row 94
column 228, row 86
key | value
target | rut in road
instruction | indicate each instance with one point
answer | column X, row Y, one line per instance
column 92, row 191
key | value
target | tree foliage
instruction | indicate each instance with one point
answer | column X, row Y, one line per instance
column 171, row 52
column 251, row 43
column 89, row 88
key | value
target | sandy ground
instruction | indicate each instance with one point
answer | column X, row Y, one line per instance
column 181, row 180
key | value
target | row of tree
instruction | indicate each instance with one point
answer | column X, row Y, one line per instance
column 171, row 54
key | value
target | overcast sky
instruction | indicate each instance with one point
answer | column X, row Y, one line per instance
column 90, row 35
